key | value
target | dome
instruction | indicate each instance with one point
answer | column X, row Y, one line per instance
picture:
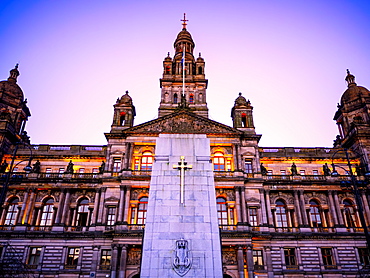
column 240, row 101
column 184, row 36
column 126, row 99
column 10, row 86
column 354, row 92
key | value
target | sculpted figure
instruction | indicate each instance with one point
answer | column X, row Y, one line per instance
column 102, row 167
column 326, row 170
column 263, row 170
column 3, row 167
column 293, row 170
column 69, row 169
column 36, row 167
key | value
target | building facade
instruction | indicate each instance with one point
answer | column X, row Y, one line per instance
column 282, row 212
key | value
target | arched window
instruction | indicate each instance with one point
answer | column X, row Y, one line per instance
column 315, row 212
column 191, row 98
column 11, row 215
column 219, row 161
column 122, row 118
column 221, row 211
column 281, row 214
column 82, row 212
column 175, row 98
column 147, row 161
column 350, row 214
column 200, row 70
column 47, row 213
column 168, row 69
column 244, row 120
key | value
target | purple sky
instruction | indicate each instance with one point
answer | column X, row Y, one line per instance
column 288, row 57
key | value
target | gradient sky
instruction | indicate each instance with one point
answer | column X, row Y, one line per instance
column 288, row 57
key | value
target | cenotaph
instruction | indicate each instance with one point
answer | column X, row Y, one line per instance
column 182, row 237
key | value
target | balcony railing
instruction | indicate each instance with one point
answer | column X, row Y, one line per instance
column 293, row 178
column 286, row 229
column 228, row 227
column 39, row 228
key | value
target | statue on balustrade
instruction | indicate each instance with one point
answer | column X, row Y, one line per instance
column 69, row 169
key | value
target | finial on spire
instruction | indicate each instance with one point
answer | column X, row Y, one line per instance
column 168, row 54
column 350, row 78
column 184, row 22
column 14, row 73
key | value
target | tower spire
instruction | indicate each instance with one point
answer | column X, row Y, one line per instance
column 184, row 22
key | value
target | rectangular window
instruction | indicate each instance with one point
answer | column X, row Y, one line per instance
column 290, row 259
column 61, row 171
column 81, row 170
column 248, row 166
column 15, row 169
column 72, row 257
column 95, row 172
column 105, row 258
column 269, row 172
column 137, row 164
column 315, row 172
column 253, row 216
column 34, row 257
column 364, row 256
column 116, row 164
column 258, row 260
column 228, row 165
column 111, row 217
column 282, row 172
column 302, row 172
column 327, row 258
column 48, row 171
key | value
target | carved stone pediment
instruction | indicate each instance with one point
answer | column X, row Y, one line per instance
column 183, row 122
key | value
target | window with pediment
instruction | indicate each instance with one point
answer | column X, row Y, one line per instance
column 143, row 158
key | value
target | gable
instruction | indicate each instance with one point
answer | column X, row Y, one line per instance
column 183, row 122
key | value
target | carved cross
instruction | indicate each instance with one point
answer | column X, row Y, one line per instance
column 184, row 21
column 182, row 166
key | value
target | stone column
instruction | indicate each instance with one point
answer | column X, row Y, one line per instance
column 270, row 272
column 268, row 206
column 96, row 206
column 303, row 206
column 3, row 214
column 121, row 203
column 366, row 207
column 123, row 261
column 297, row 208
column 127, row 203
column 333, row 212
column 250, row 260
column 30, row 205
column 65, row 207
column 61, row 206
column 240, row 259
column 263, row 207
column 244, row 208
column 337, row 207
column 101, row 204
column 237, row 203
column 21, row 214
column 114, row 261
column 95, row 259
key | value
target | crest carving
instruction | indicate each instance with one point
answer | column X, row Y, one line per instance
column 181, row 260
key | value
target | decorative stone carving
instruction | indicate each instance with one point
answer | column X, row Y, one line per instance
column 134, row 256
column 314, row 195
column 229, row 257
column 182, row 122
column 182, row 259
column 287, row 197
column 135, row 193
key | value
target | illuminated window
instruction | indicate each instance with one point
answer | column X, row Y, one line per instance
column 281, row 214
column 111, row 215
column 269, row 172
column 72, row 257
column 219, row 161
column 191, row 98
column 258, row 259
column 82, row 212
column 116, row 164
column 244, row 120
column 147, row 161
column 248, row 166
column 327, row 257
column 253, row 216
column 222, row 211
column 302, row 172
column 95, row 172
column 175, row 98
column 47, row 213
column 48, row 171
column 142, row 208
column 105, row 259
column 11, row 215
column 315, row 172
column 34, row 256
column 290, row 258
column 138, row 214
column 315, row 212
column 350, row 216
column 282, row 172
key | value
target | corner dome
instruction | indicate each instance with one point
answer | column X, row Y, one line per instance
column 354, row 92
column 240, row 101
column 11, row 87
column 126, row 99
